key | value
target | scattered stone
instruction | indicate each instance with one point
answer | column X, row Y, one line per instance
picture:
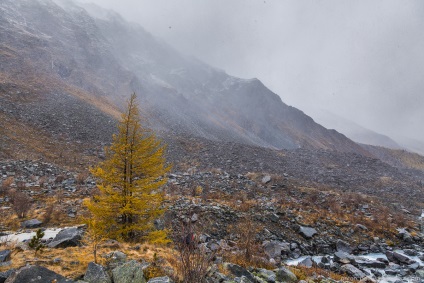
column 343, row 258
column 31, row 224
column 5, row 275
column 273, row 249
column 285, row 275
column 70, row 237
column 238, row 271
column 4, row 255
column 307, row 232
column 266, row 179
column 307, row 262
column 36, row 274
column 130, row 271
column 351, row 270
column 96, row 274
column 397, row 257
column 342, row 246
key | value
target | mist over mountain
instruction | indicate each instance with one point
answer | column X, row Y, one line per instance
column 354, row 131
column 95, row 55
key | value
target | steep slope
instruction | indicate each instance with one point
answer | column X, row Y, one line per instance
column 50, row 49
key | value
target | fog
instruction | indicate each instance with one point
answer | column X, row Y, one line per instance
column 362, row 60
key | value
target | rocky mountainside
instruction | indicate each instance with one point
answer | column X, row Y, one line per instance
column 83, row 61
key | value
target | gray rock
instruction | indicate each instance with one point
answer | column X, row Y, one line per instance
column 32, row 223
column 4, row 255
column 404, row 235
column 307, row 262
column 238, row 271
column 307, row 232
column 273, row 249
column 371, row 263
column 342, row 246
column 5, row 275
column 130, row 271
column 351, row 270
column 343, row 258
column 397, row 257
column 285, row 275
column 266, row 179
column 70, row 237
column 35, row 274
column 96, row 274
column 164, row 279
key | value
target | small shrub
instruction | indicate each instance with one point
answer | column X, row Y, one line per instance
column 36, row 243
column 21, row 203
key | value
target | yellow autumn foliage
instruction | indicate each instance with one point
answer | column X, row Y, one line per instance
column 130, row 178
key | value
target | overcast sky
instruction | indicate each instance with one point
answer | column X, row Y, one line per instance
column 362, row 60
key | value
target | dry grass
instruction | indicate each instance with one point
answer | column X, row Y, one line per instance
column 74, row 260
column 316, row 274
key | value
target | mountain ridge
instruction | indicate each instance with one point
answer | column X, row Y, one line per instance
column 102, row 61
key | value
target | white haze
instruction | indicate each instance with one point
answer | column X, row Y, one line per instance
column 363, row 60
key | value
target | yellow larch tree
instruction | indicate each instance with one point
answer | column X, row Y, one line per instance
column 129, row 179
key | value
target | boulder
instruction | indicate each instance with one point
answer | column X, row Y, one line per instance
column 70, row 237
column 351, row 270
column 96, row 274
column 32, row 223
column 238, row 271
column 116, row 258
column 4, row 255
column 5, row 275
column 342, row 246
column 164, row 279
column 307, row 262
column 343, row 258
column 130, row 271
column 285, row 275
column 307, row 232
column 399, row 258
column 273, row 249
column 36, row 274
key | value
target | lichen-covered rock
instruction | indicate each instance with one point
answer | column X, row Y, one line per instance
column 267, row 275
column 96, row 274
column 285, row 275
column 130, row 271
